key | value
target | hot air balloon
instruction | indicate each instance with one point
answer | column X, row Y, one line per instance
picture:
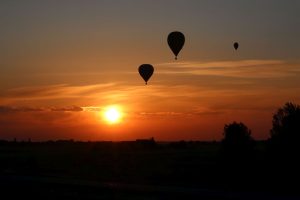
column 176, row 41
column 146, row 71
column 236, row 45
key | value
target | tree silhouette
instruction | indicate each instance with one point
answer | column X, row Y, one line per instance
column 237, row 139
column 285, row 134
column 283, row 146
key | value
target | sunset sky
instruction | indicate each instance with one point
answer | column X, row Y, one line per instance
column 63, row 63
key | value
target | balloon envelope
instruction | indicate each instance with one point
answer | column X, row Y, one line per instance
column 236, row 45
column 176, row 41
column 146, row 71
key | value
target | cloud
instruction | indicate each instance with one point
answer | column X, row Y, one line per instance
column 160, row 114
column 15, row 109
column 185, row 79
column 10, row 109
column 92, row 109
column 172, row 114
column 223, row 64
column 61, row 94
column 67, row 109
column 216, row 87
column 54, row 91
column 239, row 68
column 207, row 111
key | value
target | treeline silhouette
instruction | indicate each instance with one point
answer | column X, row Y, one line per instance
column 238, row 162
column 284, row 141
column 278, row 168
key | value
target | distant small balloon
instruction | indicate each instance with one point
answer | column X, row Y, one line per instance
column 176, row 41
column 146, row 71
column 236, row 45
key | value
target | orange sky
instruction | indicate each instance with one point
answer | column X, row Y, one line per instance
column 62, row 64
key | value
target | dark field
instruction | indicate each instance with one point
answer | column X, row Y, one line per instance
column 142, row 170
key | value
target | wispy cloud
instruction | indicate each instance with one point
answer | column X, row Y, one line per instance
column 15, row 109
column 160, row 114
column 192, row 89
column 92, row 109
column 55, row 91
column 216, row 64
column 185, row 79
column 10, row 109
column 67, row 109
column 239, row 68
column 63, row 93
column 200, row 111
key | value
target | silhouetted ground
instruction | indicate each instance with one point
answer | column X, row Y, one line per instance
column 142, row 170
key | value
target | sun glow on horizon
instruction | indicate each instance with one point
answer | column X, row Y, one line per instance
column 112, row 115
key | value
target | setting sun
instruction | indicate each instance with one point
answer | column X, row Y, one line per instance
column 112, row 115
